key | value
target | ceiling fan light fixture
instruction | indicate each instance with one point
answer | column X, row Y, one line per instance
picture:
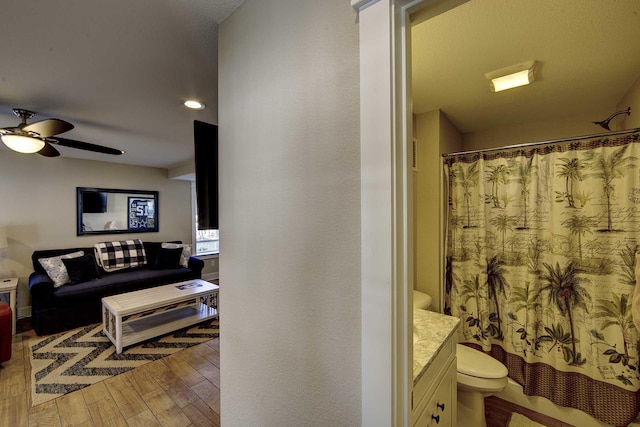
column 23, row 143
column 194, row 105
column 512, row 76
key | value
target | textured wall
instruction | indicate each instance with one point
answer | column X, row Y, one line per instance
column 522, row 133
column 436, row 135
column 630, row 99
column 290, row 214
column 426, row 204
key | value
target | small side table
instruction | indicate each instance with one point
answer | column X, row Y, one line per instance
column 10, row 285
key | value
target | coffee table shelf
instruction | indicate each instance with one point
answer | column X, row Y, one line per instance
column 140, row 315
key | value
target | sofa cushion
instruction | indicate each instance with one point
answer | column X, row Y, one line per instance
column 55, row 268
column 117, row 283
column 48, row 253
column 114, row 256
column 81, row 269
column 151, row 251
column 168, row 259
column 186, row 252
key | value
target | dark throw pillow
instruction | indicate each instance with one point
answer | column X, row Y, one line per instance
column 81, row 269
column 168, row 258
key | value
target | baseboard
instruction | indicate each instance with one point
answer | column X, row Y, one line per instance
column 24, row 312
column 210, row 276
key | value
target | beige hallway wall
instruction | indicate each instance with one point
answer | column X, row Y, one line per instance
column 290, row 214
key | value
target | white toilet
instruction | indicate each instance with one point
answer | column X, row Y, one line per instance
column 421, row 300
column 479, row 376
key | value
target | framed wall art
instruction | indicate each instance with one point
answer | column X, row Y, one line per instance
column 142, row 214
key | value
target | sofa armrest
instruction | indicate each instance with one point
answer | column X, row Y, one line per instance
column 196, row 264
column 41, row 287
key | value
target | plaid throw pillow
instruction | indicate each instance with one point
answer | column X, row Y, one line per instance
column 114, row 256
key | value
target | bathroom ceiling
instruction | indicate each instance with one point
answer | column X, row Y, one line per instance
column 118, row 70
column 587, row 51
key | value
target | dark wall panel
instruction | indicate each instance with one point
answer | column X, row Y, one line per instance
column 206, row 154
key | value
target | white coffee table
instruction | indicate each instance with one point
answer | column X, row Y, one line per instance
column 140, row 315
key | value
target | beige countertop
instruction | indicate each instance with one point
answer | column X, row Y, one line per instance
column 430, row 331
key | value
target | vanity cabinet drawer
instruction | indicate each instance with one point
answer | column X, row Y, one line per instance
column 425, row 386
column 440, row 409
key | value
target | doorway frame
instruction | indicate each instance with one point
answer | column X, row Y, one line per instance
column 386, row 132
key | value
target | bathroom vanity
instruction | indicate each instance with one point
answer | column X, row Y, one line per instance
column 434, row 369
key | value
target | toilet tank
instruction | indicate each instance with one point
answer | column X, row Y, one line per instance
column 421, row 300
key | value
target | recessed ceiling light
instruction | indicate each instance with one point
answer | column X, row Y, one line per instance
column 194, row 105
column 512, row 76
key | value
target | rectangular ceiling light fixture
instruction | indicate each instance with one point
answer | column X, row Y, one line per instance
column 512, row 76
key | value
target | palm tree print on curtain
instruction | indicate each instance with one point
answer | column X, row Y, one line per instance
column 562, row 284
column 541, row 256
column 571, row 170
column 467, row 178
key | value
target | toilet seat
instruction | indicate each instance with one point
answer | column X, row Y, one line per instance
column 486, row 386
column 477, row 364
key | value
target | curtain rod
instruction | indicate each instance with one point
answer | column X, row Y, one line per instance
column 552, row 141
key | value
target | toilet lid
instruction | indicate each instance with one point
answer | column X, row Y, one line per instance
column 478, row 364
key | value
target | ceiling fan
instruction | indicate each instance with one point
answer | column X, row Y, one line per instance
column 39, row 136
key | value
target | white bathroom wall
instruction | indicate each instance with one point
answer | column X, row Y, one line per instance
column 630, row 99
column 436, row 135
column 521, row 133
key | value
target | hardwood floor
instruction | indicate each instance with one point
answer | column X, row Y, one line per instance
column 179, row 390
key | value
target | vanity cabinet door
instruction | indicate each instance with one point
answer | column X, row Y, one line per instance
column 441, row 408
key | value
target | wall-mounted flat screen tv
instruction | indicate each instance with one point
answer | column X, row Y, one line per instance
column 206, row 154
column 94, row 202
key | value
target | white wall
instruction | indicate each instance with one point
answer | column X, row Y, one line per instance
column 436, row 136
column 521, row 133
column 630, row 99
column 38, row 207
column 290, row 214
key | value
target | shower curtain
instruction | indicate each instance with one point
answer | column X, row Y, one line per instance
column 540, row 259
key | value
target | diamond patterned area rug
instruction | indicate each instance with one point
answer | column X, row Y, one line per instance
column 75, row 359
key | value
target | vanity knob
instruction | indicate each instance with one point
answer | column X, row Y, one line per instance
column 436, row 417
column 440, row 406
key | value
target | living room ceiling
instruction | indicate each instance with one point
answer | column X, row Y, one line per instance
column 118, row 70
column 587, row 51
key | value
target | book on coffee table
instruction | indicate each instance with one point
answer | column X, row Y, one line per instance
column 188, row 286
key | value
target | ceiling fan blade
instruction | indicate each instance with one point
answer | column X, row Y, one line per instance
column 86, row 146
column 10, row 129
column 49, row 150
column 48, row 127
